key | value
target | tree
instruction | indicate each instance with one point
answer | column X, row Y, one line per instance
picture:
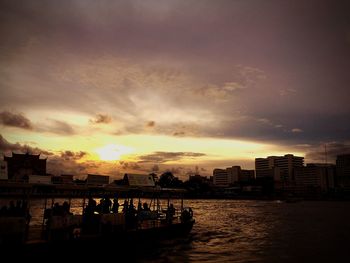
column 167, row 179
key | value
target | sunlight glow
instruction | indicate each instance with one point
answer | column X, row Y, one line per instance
column 112, row 152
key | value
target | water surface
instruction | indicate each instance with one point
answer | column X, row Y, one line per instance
column 250, row 231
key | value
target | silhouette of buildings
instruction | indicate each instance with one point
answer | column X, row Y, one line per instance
column 314, row 178
column 96, row 179
column 231, row 175
column 343, row 170
column 62, row 179
column 3, row 170
column 21, row 166
column 286, row 165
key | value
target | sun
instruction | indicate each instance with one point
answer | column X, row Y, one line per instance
column 112, row 152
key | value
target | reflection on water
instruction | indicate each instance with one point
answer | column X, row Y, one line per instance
column 261, row 231
column 251, row 231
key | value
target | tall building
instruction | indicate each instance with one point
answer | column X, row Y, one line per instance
column 220, row 177
column 319, row 177
column 21, row 166
column 231, row 175
column 343, row 170
column 286, row 165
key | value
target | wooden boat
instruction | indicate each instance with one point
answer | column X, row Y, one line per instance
column 96, row 225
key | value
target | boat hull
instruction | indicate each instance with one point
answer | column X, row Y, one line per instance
column 120, row 241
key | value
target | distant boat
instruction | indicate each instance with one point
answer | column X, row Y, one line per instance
column 98, row 225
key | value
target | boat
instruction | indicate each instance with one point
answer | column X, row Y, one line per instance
column 140, row 219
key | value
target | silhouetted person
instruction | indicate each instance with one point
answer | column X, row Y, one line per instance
column 107, row 203
column 170, row 213
column 65, row 208
column 130, row 215
column 125, row 206
column 139, row 207
column 115, row 206
column 91, row 207
column 56, row 210
column 145, row 207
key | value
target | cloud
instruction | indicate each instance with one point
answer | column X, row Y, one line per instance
column 179, row 133
column 144, row 62
column 155, row 168
column 56, row 127
column 6, row 147
column 58, row 165
column 331, row 149
column 150, row 123
column 69, row 155
column 162, row 157
column 132, row 166
column 101, row 118
column 15, row 120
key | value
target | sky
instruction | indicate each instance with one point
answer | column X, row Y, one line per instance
column 145, row 86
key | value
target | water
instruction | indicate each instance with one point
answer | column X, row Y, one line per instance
column 253, row 231
column 264, row 231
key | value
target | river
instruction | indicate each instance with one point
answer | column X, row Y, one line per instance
column 255, row 231
column 264, row 231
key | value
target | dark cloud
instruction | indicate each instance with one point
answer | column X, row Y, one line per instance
column 162, row 157
column 61, row 165
column 179, row 133
column 150, row 123
column 56, row 126
column 101, row 118
column 220, row 66
column 15, row 120
column 131, row 166
column 69, row 155
column 327, row 151
column 6, row 148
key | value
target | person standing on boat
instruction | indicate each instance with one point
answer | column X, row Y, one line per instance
column 115, row 206
column 170, row 213
column 125, row 206
column 91, row 206
column 107, row 203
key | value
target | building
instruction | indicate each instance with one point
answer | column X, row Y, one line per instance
column 315, row 178
column 246, row 175
column 63, row 179
column 21, row 166
column 273, row 172
column 96, row 179
column 343, row 170
column 286, row 165
column 231, row 175
column 139, row 179
column 3, row 170
column 199, row 179
column 220, row 177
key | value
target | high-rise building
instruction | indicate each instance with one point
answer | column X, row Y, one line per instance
column 286, row 165
column 343, row 170
column 231, row 175
column 315, row 177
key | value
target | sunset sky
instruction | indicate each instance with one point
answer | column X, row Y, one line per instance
column 138, row 86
